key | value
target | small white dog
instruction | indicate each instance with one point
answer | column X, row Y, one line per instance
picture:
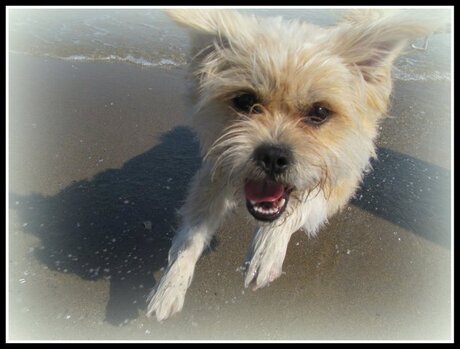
column 287, row 115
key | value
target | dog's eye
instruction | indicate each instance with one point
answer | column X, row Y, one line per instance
column 317, row 114
column 245, row 103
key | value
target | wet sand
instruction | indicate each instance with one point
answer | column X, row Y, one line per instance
column 99, row 160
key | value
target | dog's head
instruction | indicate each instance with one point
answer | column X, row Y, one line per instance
column 285, row 107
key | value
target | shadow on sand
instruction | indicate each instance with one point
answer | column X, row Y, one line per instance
column 119, row 224
column 410, row 193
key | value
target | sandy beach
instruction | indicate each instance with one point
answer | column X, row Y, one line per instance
column 99, row 161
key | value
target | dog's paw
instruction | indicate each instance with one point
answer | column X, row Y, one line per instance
column 264, row 267
column 165, row 301
column 167, row 298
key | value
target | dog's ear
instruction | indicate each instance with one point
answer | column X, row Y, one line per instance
column 371, row 40
column 211, row 29
column 226, row 23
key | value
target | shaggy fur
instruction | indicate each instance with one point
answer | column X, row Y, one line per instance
column 290, row 66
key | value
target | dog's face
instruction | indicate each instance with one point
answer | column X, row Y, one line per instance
column 286, row 107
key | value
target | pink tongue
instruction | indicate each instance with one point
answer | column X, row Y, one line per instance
column 263, row 191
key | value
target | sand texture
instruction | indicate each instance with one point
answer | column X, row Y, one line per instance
column 99, row 161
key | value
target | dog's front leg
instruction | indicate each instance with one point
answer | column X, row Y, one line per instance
column 265, row 258
column 202, row 213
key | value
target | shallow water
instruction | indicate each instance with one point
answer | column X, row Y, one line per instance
column 147, row 37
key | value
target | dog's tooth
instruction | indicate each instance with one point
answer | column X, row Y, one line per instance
column 282, row 202
column 253, row 203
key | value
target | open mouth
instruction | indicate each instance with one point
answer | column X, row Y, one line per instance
column 266, row 200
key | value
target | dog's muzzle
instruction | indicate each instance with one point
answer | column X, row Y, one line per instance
column 267, row 199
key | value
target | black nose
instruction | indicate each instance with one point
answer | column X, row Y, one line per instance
column 273, row 159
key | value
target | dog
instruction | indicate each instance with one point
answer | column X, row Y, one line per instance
column 287, row 114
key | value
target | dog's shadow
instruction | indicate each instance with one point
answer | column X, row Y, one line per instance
column 119, row 224
column 410, row 193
